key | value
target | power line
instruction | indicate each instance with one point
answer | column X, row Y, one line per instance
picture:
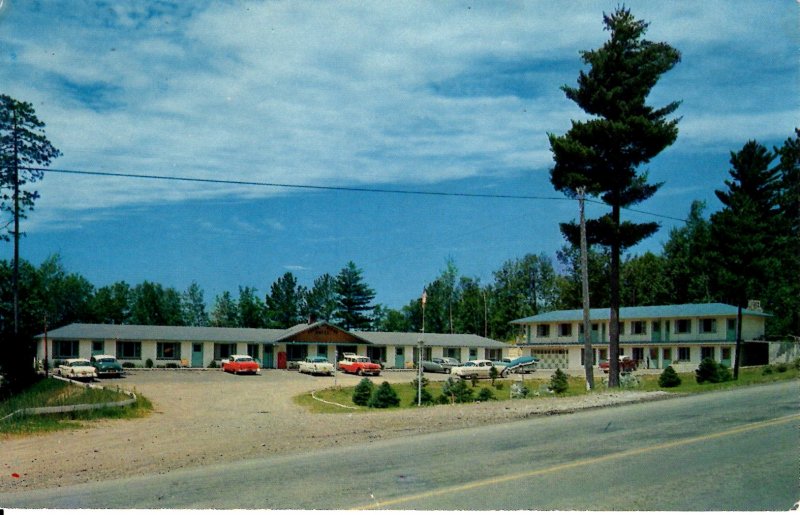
column 231, row 182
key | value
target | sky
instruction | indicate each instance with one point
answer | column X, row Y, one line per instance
column 440, row 97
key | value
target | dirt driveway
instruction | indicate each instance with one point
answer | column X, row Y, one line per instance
column 207, row 416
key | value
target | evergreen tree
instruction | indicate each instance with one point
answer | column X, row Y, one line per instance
column 384, row 397
column 745, row 229
column 320, row 300
column 225, row 312
column 669, row 378
column 363, row 392
column 285, row 302
column 603, row 154
column 687, row 265
column 643, row 281
column 354, row 299
column 193, row 306
column 252, row 311
column 559, row 382
column 152, row 304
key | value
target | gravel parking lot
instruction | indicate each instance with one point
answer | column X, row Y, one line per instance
column 207, row 416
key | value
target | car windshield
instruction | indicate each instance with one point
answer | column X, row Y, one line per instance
column 319, row 359
column 241, row 360
column 81, row 363
column 106, row 360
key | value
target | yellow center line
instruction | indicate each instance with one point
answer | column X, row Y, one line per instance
column 579, row 463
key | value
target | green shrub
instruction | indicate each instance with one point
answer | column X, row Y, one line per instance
column 493, row 374
column 669, row 378
column 781, row 367
column 384, row 397
column 767, row 370
column 474, row 381
column 171, row 365
column 455, row 390
column 425, row 398
column 499, row 386
column 415, row 383
column 797, row 364
column 712, row 372
column 148, row 363
column 559, row 382
column 363, row 392
column 213, row 364
column 128, row 364
column 485, row 395
column 519, row 390
column 628, row 380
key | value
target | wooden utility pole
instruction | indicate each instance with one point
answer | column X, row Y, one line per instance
column 588, row 354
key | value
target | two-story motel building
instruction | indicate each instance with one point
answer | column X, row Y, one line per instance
column 656, row 336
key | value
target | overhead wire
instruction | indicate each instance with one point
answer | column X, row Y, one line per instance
column 232, row 182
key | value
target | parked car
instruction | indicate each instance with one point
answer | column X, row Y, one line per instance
column 241, row 364
column 360, row 365
column 521, row 365
column 440, row 365
column 106, row 366
column 77, row 368
column 478, row 368
column 626, row 364
column 316, row 365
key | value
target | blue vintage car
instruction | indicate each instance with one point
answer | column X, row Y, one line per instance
column 521, row 365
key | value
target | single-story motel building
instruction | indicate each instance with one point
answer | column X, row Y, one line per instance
column 197, row 347
column 654, row 336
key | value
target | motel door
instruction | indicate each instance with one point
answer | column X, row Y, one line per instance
column 653, row 357
column 399, row 357
column 269, row 357
column 197, row 355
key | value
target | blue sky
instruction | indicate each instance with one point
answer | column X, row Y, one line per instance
column 437, row 96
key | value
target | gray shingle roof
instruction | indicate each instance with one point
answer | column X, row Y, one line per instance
column 245, row 335
column 641, row 312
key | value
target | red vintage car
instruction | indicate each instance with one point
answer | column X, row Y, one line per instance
column 626, row 364
column 241, row 364
column 360, row 365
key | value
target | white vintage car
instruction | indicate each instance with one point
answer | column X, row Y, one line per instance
column 77, row 368
column 316, row 365
column 478, row 368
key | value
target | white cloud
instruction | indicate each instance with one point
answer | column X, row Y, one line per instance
column 341, row 93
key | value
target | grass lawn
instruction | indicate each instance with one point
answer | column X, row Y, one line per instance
column 502, row 389
column 52, row 392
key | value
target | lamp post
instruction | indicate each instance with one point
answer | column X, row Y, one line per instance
column 420, row 343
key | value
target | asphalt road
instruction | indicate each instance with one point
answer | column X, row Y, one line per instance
column 731, row 450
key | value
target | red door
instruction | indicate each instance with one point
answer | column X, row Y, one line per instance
column 282, row 360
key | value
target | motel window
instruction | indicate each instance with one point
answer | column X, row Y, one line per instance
column 452, row 352
column 224, row 350
column 708, row 325
column 129, row 350
column 603, row 354
column 98, row 347
column 65, row 349
column 543, row 330
column 656, row 326
column 683, row 354
column 726, row 353
column 377, row 354
column 322, row 350
column 731, row 324
column 621, row 326
column 494, row 354
column 565, row 329
column 252, row 351
column 706, row 352
column 168, row 350
column 683, row 326
column 667, row 353
column 296, row 352
column 638, row 327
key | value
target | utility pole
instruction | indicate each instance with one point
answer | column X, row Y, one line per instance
column 15, row 273
column 588, row 354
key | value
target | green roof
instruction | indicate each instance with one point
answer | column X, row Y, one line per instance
column 641, row 312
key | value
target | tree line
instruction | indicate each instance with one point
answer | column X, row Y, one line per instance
column 749, row 249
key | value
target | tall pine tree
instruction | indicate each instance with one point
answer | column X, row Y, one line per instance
column 354, row 297
column 603, row 154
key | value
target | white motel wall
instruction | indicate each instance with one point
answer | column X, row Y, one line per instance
column 655, row 336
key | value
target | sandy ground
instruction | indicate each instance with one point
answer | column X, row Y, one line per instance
column 204, row 417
